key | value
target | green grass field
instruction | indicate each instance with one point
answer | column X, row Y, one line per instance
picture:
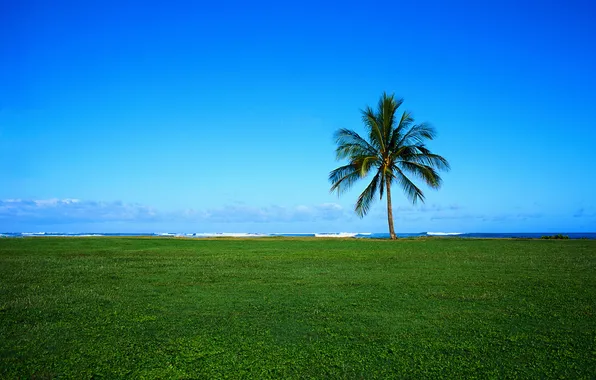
column 296, row 308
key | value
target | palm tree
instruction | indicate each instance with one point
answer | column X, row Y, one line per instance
column 394, row 149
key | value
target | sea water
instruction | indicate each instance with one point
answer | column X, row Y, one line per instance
column 357, row 235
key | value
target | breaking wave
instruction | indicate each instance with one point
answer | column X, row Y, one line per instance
column 444, row 233
column 341, row 234
column 228, row 234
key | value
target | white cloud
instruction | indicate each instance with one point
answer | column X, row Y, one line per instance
column 301, row 213
column 57, row 211
column 54, row 202
column 72, row 210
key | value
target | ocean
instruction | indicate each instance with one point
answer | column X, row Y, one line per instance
column 357, row 235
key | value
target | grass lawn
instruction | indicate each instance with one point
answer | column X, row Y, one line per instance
column 296, row 308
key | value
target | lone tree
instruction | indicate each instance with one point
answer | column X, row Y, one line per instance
column 394, row 148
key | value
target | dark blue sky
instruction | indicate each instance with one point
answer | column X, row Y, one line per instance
column 195, row 117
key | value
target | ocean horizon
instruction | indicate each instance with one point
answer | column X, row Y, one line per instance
column 358, row 235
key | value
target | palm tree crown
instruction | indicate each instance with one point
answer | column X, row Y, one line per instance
column 394, row 148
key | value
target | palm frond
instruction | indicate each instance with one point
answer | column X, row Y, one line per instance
column 412, row 191
column 403, row 152
column 349, row 144
column 404, row 123
column 424, row 172
column 388, row 106
column 366, row 163
column 418, row 134
column 343, row 178
column 366, row 198
column 371, row 122
column 425, row 157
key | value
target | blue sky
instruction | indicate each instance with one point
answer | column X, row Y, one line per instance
column 201, row 117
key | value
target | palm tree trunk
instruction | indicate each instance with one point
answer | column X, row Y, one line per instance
column 390, row 212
